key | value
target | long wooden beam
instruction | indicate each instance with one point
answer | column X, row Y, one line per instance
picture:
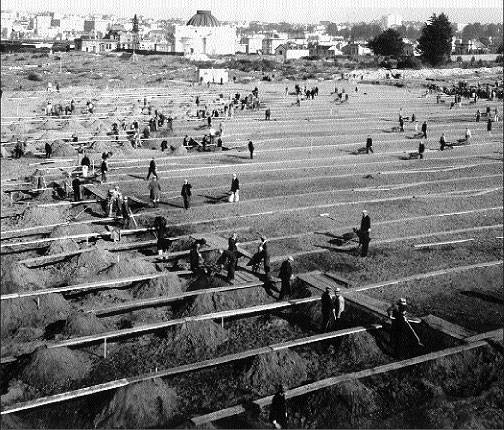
column 329, row 382
column 183, row 369
column 91, row 285
column 159, row 301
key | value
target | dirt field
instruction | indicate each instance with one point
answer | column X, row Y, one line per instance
column 306, row 164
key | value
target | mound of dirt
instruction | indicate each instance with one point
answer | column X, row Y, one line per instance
column 83, row 324
column 179, row 150
column 61, row 246
column 4, row 153
column 24, row 312
column 35, row 216
column 101, row 147
column 63, row 149
column 70, row 230
column 168, row 285
column 199, row 338
column 50, row 124
column 17, row 277
column 207, row 303
column 150, row 404
column 360, row 349
column 56, row 368
column 127, row 267
column 17, row 392
column 267, row 371
column 91, row 263
column 20, row 128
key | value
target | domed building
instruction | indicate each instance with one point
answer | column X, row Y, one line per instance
column 203, row 34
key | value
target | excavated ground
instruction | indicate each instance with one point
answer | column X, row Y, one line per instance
column 283, row 194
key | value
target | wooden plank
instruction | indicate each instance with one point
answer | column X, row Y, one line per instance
column 453, row 330
column 493, row 334
column 93, row 189
column 51, row 205
column 138, row 200
column 326, row 281
column 89, row 285
column 323, row 336
column 159, row 301
column 146, row 328
column 345, row 282
column 328, row 382
column 169, row 372
column 50, row 226
column 426, row 245
column 46, row 258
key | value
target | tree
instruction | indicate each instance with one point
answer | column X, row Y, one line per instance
column 435, row 43
column 389, row 43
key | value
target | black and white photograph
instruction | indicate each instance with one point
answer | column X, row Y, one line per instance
column 251, row 214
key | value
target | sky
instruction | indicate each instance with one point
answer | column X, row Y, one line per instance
column 295, row 11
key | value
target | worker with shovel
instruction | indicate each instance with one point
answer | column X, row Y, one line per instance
column 401, row 327
column 328, row 310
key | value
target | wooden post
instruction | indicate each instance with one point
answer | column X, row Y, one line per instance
column 105, row 348
column 38, row 302
column 222, row 322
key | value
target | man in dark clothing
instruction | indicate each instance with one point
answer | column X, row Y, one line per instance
column 76, row 189
column 442, row 142
column 424, row 130
column 209, row 121
column 421, row 149
column 126, row 213
column 164, row 145
column 235, row 190
column 251, row 149
column 364, row 230
column 267, row 114
column 401, row 124
column 195, row 257
column 369, row 145
column 48, row 150
column 489, row 126
column 104, row 170
column 186, row 194
column 266, row 258
column 328, row 310
column 278, row 410
column 232, row 243
column 152, row 169
column 285, row 275
column 397, row 314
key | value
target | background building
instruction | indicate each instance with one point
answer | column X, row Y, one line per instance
column 203, row 34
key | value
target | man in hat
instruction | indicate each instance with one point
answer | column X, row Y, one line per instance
column 369, row 145
column 195, row 257
column 278, row 410
column 126, row 213
column 328, row 310
column 286, row 275
column 364, row 230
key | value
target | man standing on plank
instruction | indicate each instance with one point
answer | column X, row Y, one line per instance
column 251, row 149
column 278, row 411
column 328, row 310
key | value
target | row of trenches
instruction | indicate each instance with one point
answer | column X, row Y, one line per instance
column 431, row 395
column 435, row 397
column 464, row 390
